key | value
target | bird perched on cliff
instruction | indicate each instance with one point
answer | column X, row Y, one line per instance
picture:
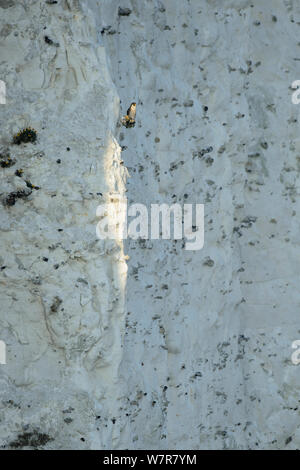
column 131, row 111
column 129, row 119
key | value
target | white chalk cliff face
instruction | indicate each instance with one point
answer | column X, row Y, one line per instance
column 170, row 348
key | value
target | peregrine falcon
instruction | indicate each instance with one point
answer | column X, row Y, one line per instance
column 131, row 111
column 129, row 119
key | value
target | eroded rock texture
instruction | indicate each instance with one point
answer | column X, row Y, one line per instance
column 62, row 289
column 186, row 349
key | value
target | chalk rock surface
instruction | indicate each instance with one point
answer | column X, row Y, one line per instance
column 170, row 348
